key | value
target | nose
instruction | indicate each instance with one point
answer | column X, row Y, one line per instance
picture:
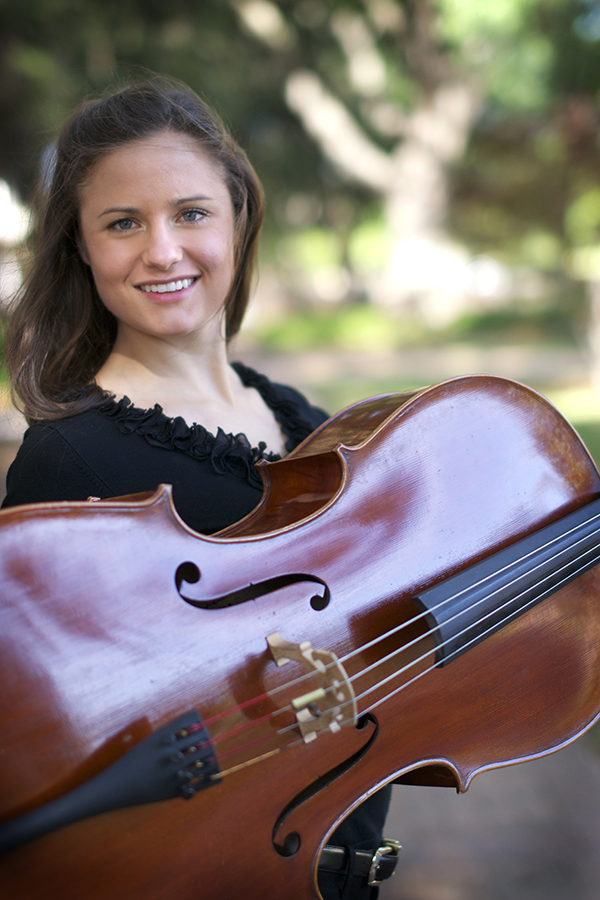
column 161, row 248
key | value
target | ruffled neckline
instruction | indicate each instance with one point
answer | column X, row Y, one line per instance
column 228, row 453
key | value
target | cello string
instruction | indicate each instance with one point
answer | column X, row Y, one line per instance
column 419, row 675
column 391, row 632
column 394, row 675
column 465, row 646
column 249, row 762
column 481, row 583
column 496, row 609
column 420, row 616
column 494, row 627
column 226, row 712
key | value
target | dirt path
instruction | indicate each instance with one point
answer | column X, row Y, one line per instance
column 527, row 832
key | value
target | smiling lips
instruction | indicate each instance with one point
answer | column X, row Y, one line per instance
column 168, row 287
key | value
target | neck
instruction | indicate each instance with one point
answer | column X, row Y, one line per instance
column 143, row 367
column 189, row 377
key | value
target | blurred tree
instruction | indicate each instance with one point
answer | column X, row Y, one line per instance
column 378, row 126
column 459, row 116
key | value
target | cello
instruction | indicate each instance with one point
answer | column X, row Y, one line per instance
column 415, row 598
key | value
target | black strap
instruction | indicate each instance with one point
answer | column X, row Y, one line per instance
column 375, row 865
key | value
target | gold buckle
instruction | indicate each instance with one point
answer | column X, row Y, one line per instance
column 388, row 846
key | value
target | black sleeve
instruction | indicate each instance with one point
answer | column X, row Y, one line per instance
column 307, row 417
column 46, row 469
column 313, row 415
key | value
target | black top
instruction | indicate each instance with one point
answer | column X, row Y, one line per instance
column 117, row 449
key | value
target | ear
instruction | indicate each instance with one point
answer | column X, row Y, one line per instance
column 82, row 248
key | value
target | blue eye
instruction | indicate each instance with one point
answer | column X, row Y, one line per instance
column 193, row 215
column 122, row 225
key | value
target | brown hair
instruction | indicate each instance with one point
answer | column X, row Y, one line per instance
column 60, row 333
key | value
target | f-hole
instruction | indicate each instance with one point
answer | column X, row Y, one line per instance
column 292, row 841
column 189, row 573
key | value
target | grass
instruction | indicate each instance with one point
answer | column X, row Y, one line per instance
column 337, row 394
column 362, row 326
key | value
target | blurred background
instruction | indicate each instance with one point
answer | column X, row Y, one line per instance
column 432, row 170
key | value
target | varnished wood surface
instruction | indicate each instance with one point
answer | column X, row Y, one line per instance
column 98, row 648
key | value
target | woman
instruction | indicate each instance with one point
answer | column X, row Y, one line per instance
column 145, row 254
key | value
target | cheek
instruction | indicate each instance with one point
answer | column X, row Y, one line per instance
column 213, row 250
column 108, row 265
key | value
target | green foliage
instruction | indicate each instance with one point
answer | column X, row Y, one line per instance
column 542, row 250
column 350, row 327
column 313, row 248
column 521, row 324
column 526, row 191
column 498, row 42
column 582, row 218
column 363, row 326
column 369, row 245
column 338, row 393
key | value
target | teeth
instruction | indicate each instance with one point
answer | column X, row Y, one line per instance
column 167, row 288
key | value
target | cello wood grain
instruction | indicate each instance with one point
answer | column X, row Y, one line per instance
column 98, row 648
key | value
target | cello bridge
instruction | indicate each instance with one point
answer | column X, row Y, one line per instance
column 332, row 703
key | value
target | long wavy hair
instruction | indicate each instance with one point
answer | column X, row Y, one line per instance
column 60, row 333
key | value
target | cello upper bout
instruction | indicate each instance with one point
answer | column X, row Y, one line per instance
column 309, row 478
column 355, row 424
column 294, row 489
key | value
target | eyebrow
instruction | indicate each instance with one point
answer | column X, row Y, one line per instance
column 133, row 210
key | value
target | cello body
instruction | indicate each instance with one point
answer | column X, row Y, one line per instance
column 115, row 618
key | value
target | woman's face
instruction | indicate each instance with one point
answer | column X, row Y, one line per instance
column 157, row 230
